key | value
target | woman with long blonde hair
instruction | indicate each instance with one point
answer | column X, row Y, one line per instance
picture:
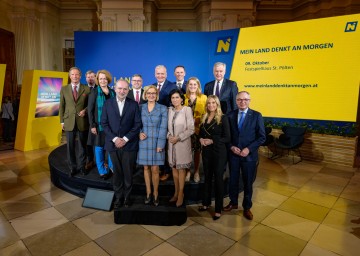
column 214, row 134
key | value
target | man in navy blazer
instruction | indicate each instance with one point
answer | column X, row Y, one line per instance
column 247, row 134
column 121, row 121
column 179, row 73
column 137, row 82
column 164, row 86
column 225, row 89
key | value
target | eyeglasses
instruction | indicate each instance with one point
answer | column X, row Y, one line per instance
column 136, row 81
column 241, row 100
column 151, row 93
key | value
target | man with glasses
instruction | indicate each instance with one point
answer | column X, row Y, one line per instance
column 247, row 134
column 136, row 92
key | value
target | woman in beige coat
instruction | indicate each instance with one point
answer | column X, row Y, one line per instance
column 180, row 129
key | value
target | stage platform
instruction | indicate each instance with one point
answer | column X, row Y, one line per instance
column 138, row 213
column 78, row 184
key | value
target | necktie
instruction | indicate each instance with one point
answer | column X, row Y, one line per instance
column 159, row 87
column 179, row 85
column 137, row 97
column 241, row 121
column 217, row 90
column 75, row 93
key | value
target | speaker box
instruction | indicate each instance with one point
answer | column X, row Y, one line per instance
column 98, row 199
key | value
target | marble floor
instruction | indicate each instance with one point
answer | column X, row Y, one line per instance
column 304, row 209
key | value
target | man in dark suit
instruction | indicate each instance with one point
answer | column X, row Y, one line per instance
column 180, row 82
column 136, row 92
column 225, row 89
column 121, row 122
column 247, row 134
column 74, row 120
column 163, row 85
column 90, row 163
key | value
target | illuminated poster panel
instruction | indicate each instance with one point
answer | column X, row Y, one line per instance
column 48, row 98
column 307, row 69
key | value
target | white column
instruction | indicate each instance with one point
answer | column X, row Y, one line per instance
column 137, row 22
column 216, row 22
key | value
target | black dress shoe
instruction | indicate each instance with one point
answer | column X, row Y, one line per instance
column 127, row 202
column 83, row 171
column 105, row 176
column 118, row 203
column 72, row 172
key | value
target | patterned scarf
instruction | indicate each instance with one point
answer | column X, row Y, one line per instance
column 100, row 100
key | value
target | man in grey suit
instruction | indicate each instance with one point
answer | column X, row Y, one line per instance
column 74, row 120
column 223, row 88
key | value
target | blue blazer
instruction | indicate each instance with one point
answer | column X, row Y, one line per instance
column 165, row 90
column 128, row 125
column 252, row 133
column 228, row 94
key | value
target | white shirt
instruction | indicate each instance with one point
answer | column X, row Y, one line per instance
column 181, row 84
column 134, row 91
column 121, row 108
column 216, row 82
column 239, row 114
column 77, row 86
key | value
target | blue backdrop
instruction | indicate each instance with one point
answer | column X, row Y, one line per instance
column 128, row 53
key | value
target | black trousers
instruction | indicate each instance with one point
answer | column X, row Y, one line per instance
column 213, row 165
column 71, row 153
column 124, row 163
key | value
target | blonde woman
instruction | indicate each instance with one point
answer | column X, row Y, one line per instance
column 197, row 102
column 214, row 134
column 152, row 141
column 180, row 129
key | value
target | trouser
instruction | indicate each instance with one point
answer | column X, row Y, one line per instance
column 100, row 160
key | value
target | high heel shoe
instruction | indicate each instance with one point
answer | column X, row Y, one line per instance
column 187, row 177
column 147, row 199
column 216, row 216
column 180, row 200
column 196, row 177
column 156, row 201
column 173, row 199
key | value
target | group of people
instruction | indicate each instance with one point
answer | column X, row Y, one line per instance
column 163, row 127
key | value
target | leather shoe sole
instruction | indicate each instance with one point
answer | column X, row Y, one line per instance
column 230, row 207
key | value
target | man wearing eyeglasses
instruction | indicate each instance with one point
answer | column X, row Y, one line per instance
column 136, row 92
column 247, row 134
column 223, row 88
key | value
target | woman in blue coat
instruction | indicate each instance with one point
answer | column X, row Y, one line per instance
column 152, row 141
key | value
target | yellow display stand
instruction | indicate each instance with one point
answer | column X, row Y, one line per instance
column 2, row 79
column 34, row 133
